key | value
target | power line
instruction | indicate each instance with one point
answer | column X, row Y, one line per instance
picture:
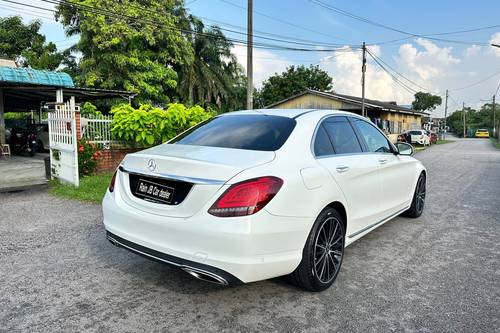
column 395, row 78
column 476, row 83
column 284, row 21
column 380, row 25
column 141, row 20
column 404, row 77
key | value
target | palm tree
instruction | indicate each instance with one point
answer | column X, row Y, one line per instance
column 214, row 72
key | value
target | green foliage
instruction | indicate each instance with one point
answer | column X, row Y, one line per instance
column 91, row 189
column 17, row 38
column 214, row 77
column 88, row 154
column 89, row 109
column 474, row 119
column 148, row 125
column 425, row 101
column 134, row 48
column 291, row 82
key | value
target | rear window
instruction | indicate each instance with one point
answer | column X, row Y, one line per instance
column 415, row 132
column 251, row 132
column 482, row 130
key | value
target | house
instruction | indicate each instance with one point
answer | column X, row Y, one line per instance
column 388, row 116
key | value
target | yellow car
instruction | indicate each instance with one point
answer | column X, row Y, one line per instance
column 482, row 133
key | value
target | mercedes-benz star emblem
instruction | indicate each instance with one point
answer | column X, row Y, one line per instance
column 152, row 165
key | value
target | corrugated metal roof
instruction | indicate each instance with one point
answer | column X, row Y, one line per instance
column 35, row 77
column 354, row 100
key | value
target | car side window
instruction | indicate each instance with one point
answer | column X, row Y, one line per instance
column 322, row 144
column 342, row 135
column 375, row 141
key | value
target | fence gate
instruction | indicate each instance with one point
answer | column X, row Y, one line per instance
column 63, row 142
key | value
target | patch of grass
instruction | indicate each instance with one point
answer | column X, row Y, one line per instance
column 495, row 142
column 92, row 188
column 442, row 142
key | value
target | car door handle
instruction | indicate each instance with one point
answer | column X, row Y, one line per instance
column 382, row 160
column 342, row 168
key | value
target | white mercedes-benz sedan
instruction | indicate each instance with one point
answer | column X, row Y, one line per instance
column 252, row 195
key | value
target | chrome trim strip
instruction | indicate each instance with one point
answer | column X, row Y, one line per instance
column 194, row 180
column 377, row 223
column 183, row 267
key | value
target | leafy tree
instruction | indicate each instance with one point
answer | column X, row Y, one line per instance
column 214, row 75
column 425, row 101
column 17, row 38
column 129, row 44
column 292, row 81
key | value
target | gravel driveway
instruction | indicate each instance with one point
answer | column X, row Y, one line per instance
column 438, row 273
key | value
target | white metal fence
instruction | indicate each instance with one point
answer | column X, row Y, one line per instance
column 97, row 129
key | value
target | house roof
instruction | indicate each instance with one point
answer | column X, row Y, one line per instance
column 23, row 75
column 369, row 103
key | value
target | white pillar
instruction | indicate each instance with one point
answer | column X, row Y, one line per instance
column 59, row 96
column 2, row 118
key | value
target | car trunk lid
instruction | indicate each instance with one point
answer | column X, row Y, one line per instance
column 182, row 178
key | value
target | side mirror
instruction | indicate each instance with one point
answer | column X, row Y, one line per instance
column 405, row 149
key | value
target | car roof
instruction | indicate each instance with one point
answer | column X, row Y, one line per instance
column 290, row 113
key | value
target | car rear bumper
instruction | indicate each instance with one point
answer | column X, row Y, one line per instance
column 239, row 249
column 204, row 272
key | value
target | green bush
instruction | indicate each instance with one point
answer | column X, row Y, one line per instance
column 148, row 125
column 89, row 109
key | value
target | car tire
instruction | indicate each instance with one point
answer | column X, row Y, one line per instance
column 418, row 201
column 323, row 253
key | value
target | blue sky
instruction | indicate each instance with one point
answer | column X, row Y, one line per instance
column 433, row 65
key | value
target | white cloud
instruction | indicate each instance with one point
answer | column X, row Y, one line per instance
column 472, row 51
column 265, row 63
column 345, row 68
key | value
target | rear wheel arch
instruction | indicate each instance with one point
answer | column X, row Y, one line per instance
column 339, row 207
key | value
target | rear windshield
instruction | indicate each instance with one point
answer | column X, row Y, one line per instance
column 482, row 130
column 415, row 133
column 252, row 132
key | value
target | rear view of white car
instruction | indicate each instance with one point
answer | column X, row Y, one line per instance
column 420, row 136
column 252, row 195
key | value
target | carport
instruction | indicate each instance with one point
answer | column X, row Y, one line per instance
column 32, row 92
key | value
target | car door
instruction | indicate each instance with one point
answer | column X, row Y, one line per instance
column 354, row 171
column 395, row 171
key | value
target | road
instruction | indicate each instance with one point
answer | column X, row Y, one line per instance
column 438, row 273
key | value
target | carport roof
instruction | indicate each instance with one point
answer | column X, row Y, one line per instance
column 22, row 97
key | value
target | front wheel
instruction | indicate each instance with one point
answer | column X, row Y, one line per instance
column 322, row 254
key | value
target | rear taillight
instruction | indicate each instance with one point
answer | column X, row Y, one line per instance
column 247, row 197
column 112, row 183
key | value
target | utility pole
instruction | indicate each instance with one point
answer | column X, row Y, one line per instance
column 250, row 55
column 445, row 114
column 494, row 120
column 363, row 70
column 463, row 111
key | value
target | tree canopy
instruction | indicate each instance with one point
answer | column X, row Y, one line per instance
column 425, row 101
column 19, row 39
column 131, row 45
column 214, row 77
column 293, row 81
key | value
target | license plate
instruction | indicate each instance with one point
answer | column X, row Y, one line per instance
column 154, row 192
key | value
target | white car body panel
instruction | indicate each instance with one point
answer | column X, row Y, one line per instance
column 269, row 243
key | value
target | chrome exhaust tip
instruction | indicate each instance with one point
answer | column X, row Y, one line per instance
column 205, row 276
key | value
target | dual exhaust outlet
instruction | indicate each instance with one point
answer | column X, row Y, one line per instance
column 196, row 272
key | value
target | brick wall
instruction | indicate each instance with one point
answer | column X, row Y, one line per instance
column 111, row 158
